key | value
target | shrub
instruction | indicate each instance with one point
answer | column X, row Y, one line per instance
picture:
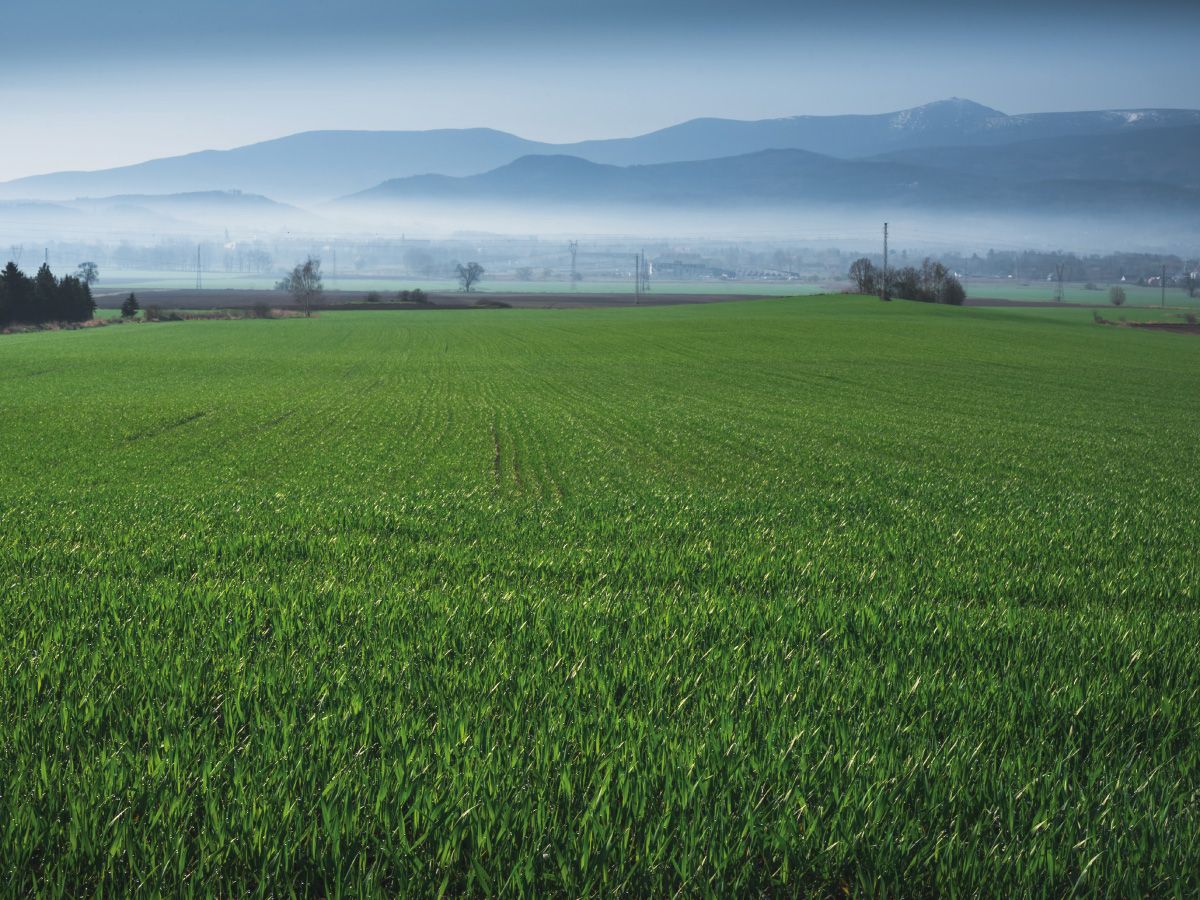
column 261, row 311
column 953, row 292
column 1116, row 295
column 374, row 297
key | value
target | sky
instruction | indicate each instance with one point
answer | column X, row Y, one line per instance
column 88, row 85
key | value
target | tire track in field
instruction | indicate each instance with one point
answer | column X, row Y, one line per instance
column 532, row 439
column 533, row 442
column 163, row 427
column 506, row 462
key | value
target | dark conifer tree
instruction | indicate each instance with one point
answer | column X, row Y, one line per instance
column 46, row 296
column 87, row 304
column 18, row 293
column 75, row 299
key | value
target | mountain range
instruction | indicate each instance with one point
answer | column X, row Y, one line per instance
column 134, row 214
column 952, row 147
column 1115, row 174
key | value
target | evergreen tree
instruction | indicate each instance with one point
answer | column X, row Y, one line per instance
column 130, row 307
column 87, row 303
column 46, row 296
column 75, row 299
column 17, row 288
column 43, row 298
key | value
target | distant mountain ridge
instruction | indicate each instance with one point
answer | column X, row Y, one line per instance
column 953, row 122
column 1168, row 155
column 169, row 213
column 320, row 165
column 771, row 179
column 768, row 176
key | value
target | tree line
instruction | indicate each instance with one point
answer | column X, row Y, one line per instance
column 43, row 298
column 932, row 283
column 1132, row 268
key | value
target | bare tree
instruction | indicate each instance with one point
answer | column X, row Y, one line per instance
column 88, row 273
column 864, row 276
column 304, row 284
column 1116, row 295
column 469, row 275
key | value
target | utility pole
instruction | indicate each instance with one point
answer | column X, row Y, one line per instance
column 1163, row 284
column 883, row 288
column 637, row 278
column 573, row 247
column 1058, row 288
column 197, row 267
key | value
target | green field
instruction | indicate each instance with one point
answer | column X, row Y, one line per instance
column 1043, row 291
column 813, row 596
column 117, row 281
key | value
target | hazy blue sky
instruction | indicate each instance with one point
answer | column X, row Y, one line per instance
column 92, row 84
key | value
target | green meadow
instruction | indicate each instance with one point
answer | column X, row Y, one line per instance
column 804, row 596
column 1043, row 292
column 122, row 281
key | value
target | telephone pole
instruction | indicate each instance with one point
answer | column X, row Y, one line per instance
column 883, row 288
column 573, row 247
column 637, row 278
column 197, row 267
column 1163, row 284
column 1058, row 287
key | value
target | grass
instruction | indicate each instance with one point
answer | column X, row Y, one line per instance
column 118, row 281
column 1043, row 291
column 791, row 597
